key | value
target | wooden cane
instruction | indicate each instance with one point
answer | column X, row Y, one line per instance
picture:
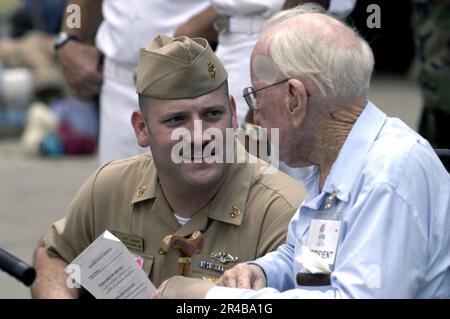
column 187, row 248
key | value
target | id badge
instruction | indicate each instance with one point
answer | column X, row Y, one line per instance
column 323, row 238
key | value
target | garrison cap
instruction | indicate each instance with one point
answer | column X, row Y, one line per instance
column 178, row 68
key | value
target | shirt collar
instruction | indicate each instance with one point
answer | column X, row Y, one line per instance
column 228, row 205
column 353, row 152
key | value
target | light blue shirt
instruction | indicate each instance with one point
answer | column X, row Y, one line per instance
column 394, row 199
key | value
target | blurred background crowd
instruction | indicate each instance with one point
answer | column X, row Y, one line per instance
column 34, row 100
column 36, row 106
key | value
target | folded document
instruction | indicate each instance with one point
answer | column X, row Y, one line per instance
column 109, row 271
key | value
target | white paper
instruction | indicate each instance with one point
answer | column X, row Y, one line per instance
column 311, row 262
column 324, row 237
column 109, row 271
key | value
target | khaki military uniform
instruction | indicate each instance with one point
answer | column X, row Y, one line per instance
column 247, row 218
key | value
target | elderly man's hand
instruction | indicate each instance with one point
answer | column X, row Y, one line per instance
column 180, row 287
column 80, row 67
column 158, row 294
column 247, row 276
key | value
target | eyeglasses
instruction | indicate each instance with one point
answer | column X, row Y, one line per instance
column 250, row 93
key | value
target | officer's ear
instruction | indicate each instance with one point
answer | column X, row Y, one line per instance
column 297, row 101
column 140, row 128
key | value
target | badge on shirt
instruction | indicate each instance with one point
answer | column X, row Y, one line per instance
column 130, row 241
column 323, row 238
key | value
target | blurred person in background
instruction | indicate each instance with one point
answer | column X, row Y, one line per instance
column 431, row 26
column 42, row 15
column 101, row 57
column 56, row 124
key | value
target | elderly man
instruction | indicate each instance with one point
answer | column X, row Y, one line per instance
column 242, row 212
column 376, row 221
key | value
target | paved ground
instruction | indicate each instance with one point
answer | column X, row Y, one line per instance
column 34, row 192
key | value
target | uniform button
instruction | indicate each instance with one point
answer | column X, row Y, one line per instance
column 234, row 212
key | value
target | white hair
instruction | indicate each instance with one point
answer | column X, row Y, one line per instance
column 339, row 69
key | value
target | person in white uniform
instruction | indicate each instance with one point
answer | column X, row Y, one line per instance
column 125, row 28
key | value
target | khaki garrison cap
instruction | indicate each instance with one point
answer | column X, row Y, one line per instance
column 178, row 68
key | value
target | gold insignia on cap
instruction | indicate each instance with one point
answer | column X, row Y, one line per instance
column 141, row 191
column 178, row 68
column 211, row 70
column 234, row 212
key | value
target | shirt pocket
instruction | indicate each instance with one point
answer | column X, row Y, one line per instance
column 148, row 264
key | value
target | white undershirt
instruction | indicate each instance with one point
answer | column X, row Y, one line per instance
column 181, row 220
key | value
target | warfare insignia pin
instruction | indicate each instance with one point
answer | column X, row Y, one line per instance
column 223, row 257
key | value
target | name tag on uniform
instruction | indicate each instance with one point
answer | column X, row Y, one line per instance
column 324, row 237
column 130, row 241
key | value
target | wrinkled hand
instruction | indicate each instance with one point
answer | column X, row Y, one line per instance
column 158, row 294
column 247, row 276
column 79, row 63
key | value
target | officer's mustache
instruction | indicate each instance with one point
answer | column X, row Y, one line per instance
column 196, row 150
